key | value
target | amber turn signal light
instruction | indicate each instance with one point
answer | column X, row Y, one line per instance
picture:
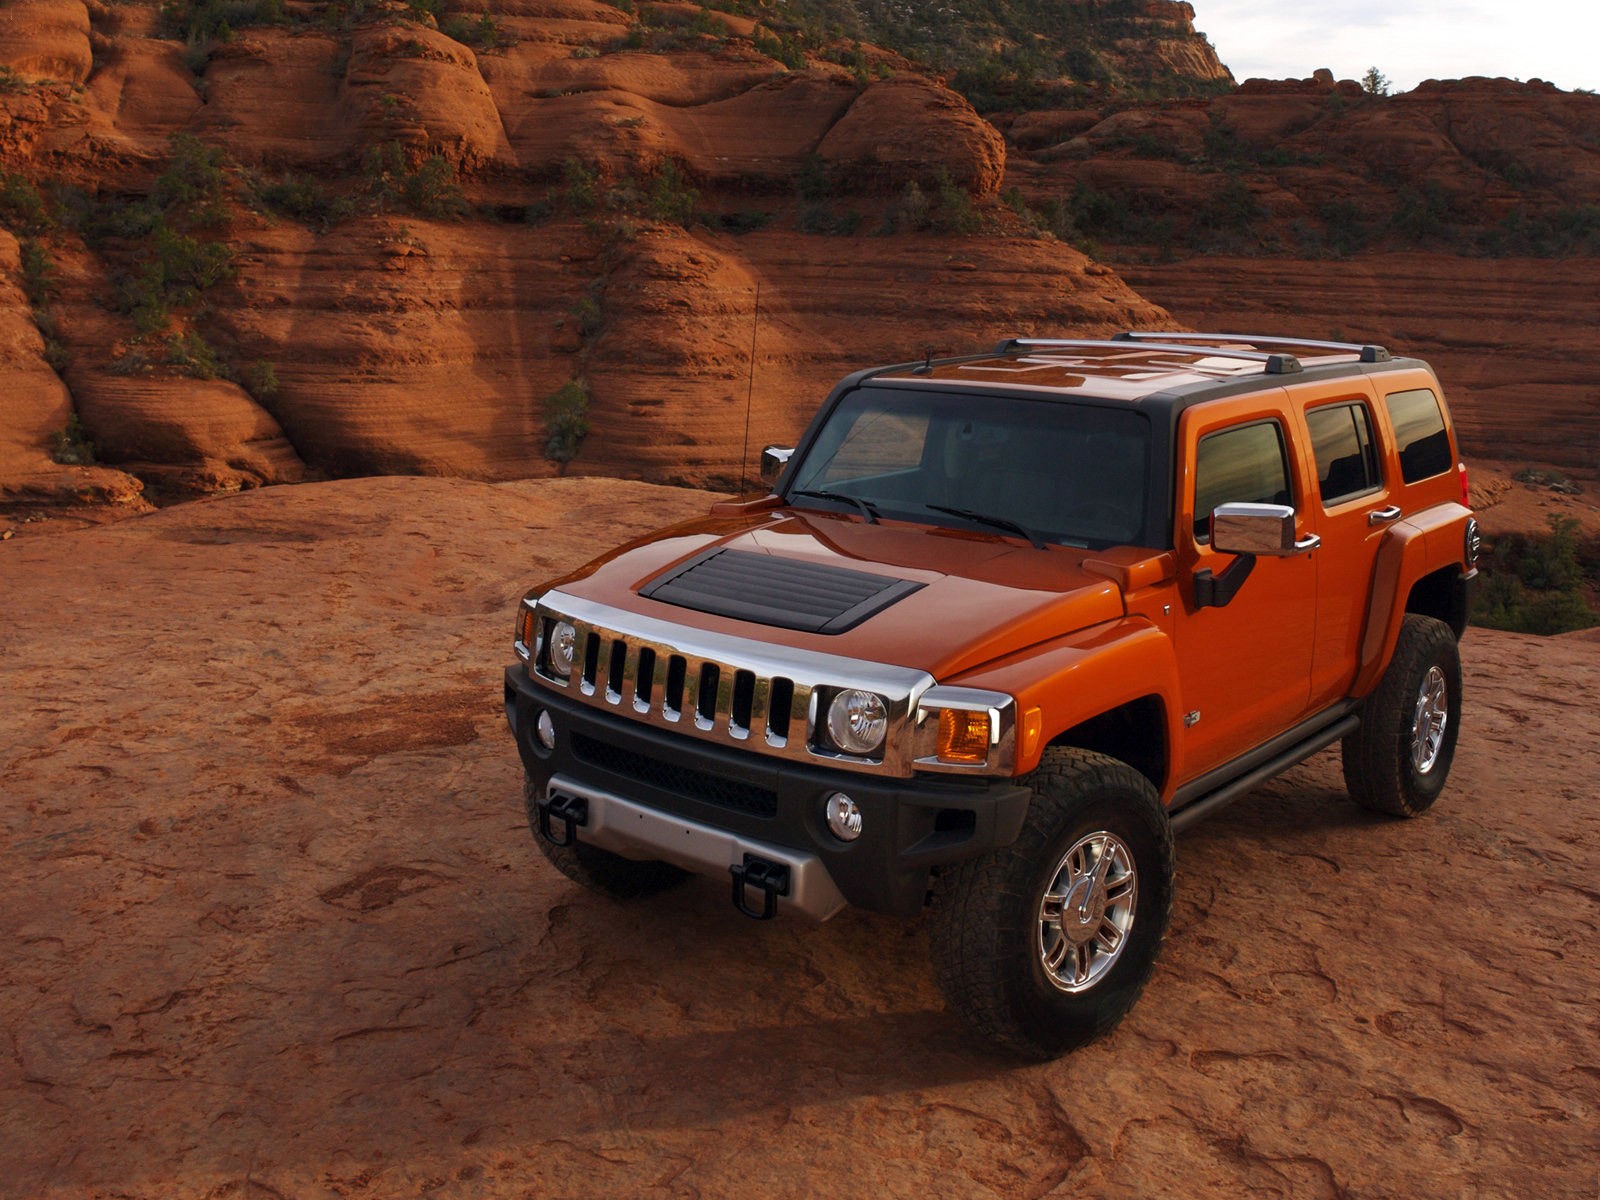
column 525, row 620
column 963, row 735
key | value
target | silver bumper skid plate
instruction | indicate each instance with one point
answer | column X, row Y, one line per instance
column 777, row 876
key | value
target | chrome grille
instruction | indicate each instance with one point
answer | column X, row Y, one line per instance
column 718, row 688
column 716, row 697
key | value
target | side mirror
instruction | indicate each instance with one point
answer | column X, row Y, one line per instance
column 773, row 461
column 1241, row 528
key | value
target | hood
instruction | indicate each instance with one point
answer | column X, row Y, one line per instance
column 936, row 599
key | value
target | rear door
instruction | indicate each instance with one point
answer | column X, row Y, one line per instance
column 1351, row 509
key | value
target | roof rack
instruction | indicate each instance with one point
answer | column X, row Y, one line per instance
column 1367, row 352
column 1271, row 364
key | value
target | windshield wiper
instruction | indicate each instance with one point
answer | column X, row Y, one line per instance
column 988, row 519
column 867, row 510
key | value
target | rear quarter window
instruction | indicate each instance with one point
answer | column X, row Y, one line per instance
column 1419, row 433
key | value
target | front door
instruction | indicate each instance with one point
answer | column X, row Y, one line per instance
column 1245, row 667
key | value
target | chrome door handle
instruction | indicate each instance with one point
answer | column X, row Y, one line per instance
column 1307, row 544
column 1382, row 516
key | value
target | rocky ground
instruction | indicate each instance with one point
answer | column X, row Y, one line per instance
column 276, row 927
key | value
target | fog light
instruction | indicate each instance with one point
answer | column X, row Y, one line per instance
column 844, row 817
column 546, row 729
column 963, row 735
column 563, row 645
column 857, row 721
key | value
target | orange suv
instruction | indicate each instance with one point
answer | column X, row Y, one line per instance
column 1004, row 624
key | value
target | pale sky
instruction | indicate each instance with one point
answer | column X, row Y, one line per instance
column 1408, row 40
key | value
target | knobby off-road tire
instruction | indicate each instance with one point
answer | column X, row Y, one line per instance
column 600, row 870
column 994, row 933
column 1399, row 759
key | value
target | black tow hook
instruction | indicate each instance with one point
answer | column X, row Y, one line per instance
column 769, row 878
column 571, row 811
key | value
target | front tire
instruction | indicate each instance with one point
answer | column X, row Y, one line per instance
column 600, row 870
column 1045, row 944
column 1398, row 760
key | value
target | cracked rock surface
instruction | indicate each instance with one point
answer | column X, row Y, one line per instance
column 275, row 925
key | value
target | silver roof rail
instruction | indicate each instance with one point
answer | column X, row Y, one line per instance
column 1271, row 364
column 1366, row 351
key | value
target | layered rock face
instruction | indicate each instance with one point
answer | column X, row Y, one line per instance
column 427, row 239
column 1459, row 221
column 407, row 335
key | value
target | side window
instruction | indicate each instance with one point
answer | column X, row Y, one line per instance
column 1241, row 464
column 1419, row 431
column 1341, row 440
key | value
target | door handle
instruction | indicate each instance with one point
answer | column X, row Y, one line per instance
column 1382, row 516
column 1307, row 544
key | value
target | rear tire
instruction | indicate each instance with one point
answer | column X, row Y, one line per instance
column 1398, row 760
column 1045, row 944
column 600, row 870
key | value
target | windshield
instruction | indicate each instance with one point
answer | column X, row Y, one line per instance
column 1049, row 470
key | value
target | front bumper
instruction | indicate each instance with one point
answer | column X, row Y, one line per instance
column 662, row 795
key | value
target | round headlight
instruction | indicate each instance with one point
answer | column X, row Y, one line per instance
column 563, row 644
column 857, row 721
column 844, row 817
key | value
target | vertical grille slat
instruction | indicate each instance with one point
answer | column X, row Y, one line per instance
column 616, row 670
column 644, row 679
column 589, row 640
column 705, row 703
column 780, row 704
column 672, row 697
column 740, row 703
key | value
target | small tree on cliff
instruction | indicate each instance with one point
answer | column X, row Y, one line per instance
column 1375, row 82
column 566, row 422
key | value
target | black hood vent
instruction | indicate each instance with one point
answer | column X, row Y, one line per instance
column 789, row 593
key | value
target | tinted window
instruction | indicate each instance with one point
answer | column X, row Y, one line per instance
column 1243, row 464
column 1341, row 440
column 1072, row 473
column 1419, row 431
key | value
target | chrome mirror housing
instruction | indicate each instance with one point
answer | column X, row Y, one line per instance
column 773, row 461
column 1241, row 528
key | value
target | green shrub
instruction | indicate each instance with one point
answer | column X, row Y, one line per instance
column 260, row 379
column 193, row 355
column 812, row 183
column 668, row 197
column 304, row 199
column 566, row 421
column 434, row 190
column 193, row 190
column 787, row 48
column 581, row 192
column 746, row 220
column 484, row 33
column 10, row 81
column 586, row 312
column 1535, row 583
column 914, row 211
column 22, row 208
column 72, row 445
column 203, row 20
column 38, row 277
column 955, row 213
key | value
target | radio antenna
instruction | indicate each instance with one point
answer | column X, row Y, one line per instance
column 750, row 388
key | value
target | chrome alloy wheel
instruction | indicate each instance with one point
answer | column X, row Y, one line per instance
column 1086, row 912
column 1431, row 719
